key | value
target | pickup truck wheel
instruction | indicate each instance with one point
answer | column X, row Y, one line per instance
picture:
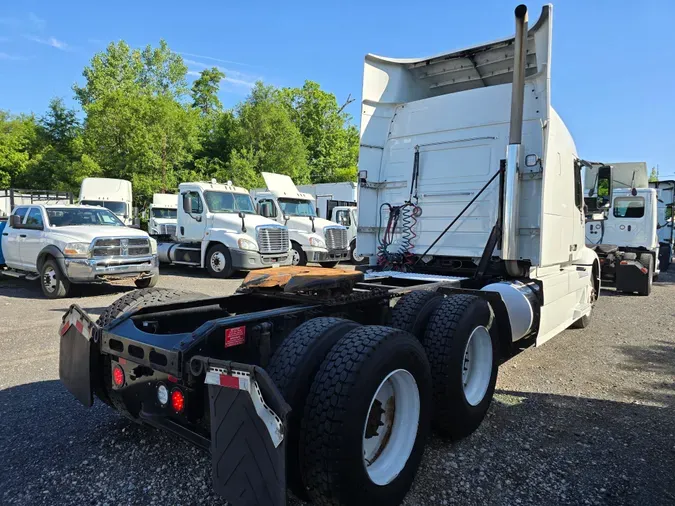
column 146, row 297
column 412, row 312
column 461, row 343
column 219, row 261
column 147, row 282
column 293, row 367
column 366, row 419
column 54, row 283
column 298, row 256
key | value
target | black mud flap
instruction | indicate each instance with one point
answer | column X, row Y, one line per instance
column 632, row 276
column 76, row 354
column 248, row 444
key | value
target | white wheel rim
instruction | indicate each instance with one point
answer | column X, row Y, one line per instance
column 391, row 426
column 357, row 258
column 49, row 279
column 295, row 259
column 477, row 367
column 217, row 261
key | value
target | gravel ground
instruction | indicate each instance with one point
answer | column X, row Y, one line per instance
column 588, row 418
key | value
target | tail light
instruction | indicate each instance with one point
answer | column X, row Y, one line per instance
column 118, row 376
column 177, row 400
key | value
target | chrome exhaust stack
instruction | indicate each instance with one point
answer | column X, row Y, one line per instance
column 510, row 218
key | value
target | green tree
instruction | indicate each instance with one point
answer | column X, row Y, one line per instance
column 332, row 142
column 266, row 140
column 654, row 175
column 205, row 91
column 19, row 147
column 139, row 125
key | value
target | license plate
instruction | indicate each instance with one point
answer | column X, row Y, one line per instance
column 275, row 265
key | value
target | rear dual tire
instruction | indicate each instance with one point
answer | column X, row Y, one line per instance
column 369, row 403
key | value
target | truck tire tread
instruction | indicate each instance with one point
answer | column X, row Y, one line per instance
column 293, row 368
column 332, row 422
column 412, row 312
column 444, row 342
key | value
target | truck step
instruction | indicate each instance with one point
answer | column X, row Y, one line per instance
column 187, row 248
column 15, row 274
column 186, row 263
column 32, row 277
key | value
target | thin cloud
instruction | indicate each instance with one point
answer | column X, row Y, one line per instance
column 203, row 57
column 235, row 77
column 194, row 73
column 37, row 21
column 10, row 57
column 50, row 41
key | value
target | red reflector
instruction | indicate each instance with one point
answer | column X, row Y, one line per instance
column 122, row 360
column 235, row 336
column 177, row 401
column 229, row 381
column 118, row 376
column 172, row 379
column 64, row 328
column 644, row 271
column 624, row 262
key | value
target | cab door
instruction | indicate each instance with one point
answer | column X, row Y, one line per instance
column 193, row 220
column 11, row 238
column 33, row 242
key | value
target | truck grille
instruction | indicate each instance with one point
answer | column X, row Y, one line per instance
column 336, row 238
column 131, row 247
column 168, row 230
column 273, row 239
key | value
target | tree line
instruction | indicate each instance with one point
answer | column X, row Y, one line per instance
column 142, row 122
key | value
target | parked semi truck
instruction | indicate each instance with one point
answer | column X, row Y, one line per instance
column 307, row 377
column 218, row 229
column 622, row 225
column 113, row 194
column 313, row 239
column 665, row 197
column 163, row 218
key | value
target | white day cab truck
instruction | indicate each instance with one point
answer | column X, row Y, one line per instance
column 313, row 239
column 113, row 194
column 337, row 202
column 163, row 215
column 308, row 378
column 666, row 197
column 218, row 229
column 621, row 225
column 62, row 246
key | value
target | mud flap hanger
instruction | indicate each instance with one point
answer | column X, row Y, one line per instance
column 248, row 429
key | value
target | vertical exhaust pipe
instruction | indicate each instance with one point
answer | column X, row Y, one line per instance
column 510, row 220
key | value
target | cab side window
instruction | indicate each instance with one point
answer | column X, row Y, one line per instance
column 195, row 203
column 342, row 218
column 267, row 208
column 34, row 219
column 20, row 211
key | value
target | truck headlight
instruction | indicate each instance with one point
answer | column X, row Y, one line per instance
column 153, row 246
column 247, row 244
column 76, row 249
column 317, row 242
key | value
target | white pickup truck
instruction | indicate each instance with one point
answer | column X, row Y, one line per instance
column 66, row 245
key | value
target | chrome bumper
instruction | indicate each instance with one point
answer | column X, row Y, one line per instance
column 85, row 270
column 249, row 260
column 316, row 255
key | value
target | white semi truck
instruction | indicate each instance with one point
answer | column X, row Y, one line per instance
column 113, row 194
column 314, row 239
column 337, row 202
column 162, row 219
column 314, row 381
column 621, row 224
column 218, row 229
column 665, row 197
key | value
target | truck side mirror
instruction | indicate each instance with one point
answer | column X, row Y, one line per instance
column 187, row 205
column 15, row 221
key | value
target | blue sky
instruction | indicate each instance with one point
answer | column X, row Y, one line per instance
column 613, row 63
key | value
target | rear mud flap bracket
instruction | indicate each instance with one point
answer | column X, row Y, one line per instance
column 248, row 447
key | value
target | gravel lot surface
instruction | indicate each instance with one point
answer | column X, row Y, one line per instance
column 589, row 418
